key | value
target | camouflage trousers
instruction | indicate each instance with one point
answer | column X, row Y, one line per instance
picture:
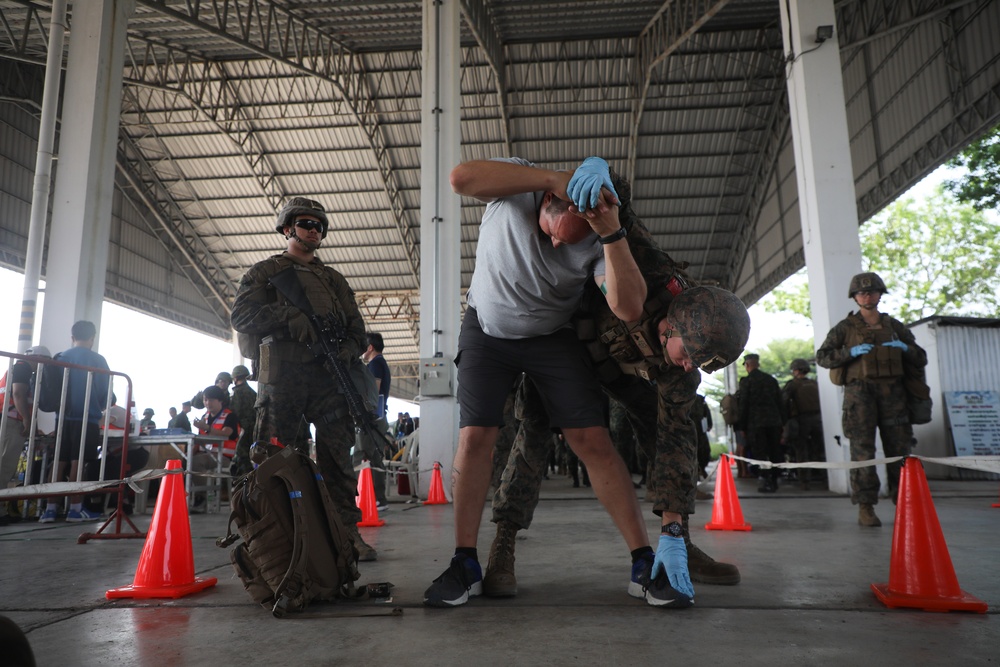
column 307, row 390
column 505, row 439
column 867, row 406
column 804, row 436
column 672, row 449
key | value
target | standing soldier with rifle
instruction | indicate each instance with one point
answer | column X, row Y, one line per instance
column 293, row 379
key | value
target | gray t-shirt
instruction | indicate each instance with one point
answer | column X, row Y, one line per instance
column 522, row 286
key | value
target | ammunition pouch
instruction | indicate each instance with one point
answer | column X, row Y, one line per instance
column 275, row 351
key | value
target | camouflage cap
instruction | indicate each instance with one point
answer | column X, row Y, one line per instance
column 301, row 206
column 866, row 282
column 713, row 323
column 223, row 377
column 799, row 365
column 241, row 371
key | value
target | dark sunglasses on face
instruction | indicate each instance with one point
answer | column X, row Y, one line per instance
column 309, row 225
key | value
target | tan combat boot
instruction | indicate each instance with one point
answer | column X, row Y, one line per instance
column 866, row 515
column 704, row 569
column 366, row 552
column 499, row 580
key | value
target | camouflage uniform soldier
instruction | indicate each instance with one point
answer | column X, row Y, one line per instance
column 761, row 418
column 869, row 353
column 682, row 328
column 293, row 381
column 804, row 428
column 242, row 403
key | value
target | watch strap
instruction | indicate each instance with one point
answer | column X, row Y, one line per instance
column 611, row 238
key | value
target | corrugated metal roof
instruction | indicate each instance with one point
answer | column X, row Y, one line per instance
column 220, row 123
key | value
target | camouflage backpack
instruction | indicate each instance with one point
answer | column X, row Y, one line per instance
column 295, row 548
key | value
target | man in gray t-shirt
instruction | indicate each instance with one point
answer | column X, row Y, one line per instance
column 536, row 253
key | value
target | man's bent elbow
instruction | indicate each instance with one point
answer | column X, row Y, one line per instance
column 461, row 179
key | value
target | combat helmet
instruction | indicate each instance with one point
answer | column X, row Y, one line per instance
column 866, row 282
column 799, row 365
column 714, row 324
column 301, row 206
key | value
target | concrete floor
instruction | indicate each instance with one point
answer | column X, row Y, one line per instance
column 805, row 598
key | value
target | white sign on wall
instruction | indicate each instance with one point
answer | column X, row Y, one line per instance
column 975, row 422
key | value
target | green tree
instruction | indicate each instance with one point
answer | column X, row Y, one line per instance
column 774, row 360
column 980, row 183
column 939, row 257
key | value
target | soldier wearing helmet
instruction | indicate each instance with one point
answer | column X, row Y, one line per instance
column 242, row 404
column 683, row 328
column 804, row 427
column 869, row 353
column 292, row 382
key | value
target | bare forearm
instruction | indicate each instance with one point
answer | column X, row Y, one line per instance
column 624, row 286
column 487, row 180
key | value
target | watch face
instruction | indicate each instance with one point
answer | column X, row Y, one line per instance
column 673, row 529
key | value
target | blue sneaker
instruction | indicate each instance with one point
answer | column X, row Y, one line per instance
column 82, row 514
column 657, row 592
column 48, row 516
column 463, row 579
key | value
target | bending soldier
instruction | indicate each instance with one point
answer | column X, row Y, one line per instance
column 869, row 353
column 682, row 329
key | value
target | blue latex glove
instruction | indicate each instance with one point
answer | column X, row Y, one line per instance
column 585, row 186
column 897, row 343
column 672, row 558
column 864, row 348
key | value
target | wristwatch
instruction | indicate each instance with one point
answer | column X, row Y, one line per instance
column 673, row 529
column 611, row 238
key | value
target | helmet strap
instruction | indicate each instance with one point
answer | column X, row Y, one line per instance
column 311, row 247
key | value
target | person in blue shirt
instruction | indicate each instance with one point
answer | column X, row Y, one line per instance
column 81, row 418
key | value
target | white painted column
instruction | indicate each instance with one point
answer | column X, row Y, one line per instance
column 440, row 237
column 81, row 207
column 827, row 200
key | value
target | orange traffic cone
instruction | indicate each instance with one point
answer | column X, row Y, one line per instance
column 166, row 566
column 726, row 511
column 436, row 495
column 366, row 500
column 921, row 575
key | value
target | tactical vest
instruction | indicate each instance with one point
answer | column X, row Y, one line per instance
column 319, row 290
column 882, row 363
column 632, row 348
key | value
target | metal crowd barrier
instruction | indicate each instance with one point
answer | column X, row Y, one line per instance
column 52, row 486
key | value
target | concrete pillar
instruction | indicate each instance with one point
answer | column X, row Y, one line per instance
column 440, row 234
column 81, row 207
column 826, row 189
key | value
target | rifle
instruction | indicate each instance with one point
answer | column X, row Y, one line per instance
column 330, row 332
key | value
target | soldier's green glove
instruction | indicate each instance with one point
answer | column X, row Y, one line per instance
column 301, row 328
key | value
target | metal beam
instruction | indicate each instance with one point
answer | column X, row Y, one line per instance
column 479, row 19
column 274, row 32
column 670, row 27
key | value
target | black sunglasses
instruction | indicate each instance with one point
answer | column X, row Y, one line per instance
column 309, row 224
